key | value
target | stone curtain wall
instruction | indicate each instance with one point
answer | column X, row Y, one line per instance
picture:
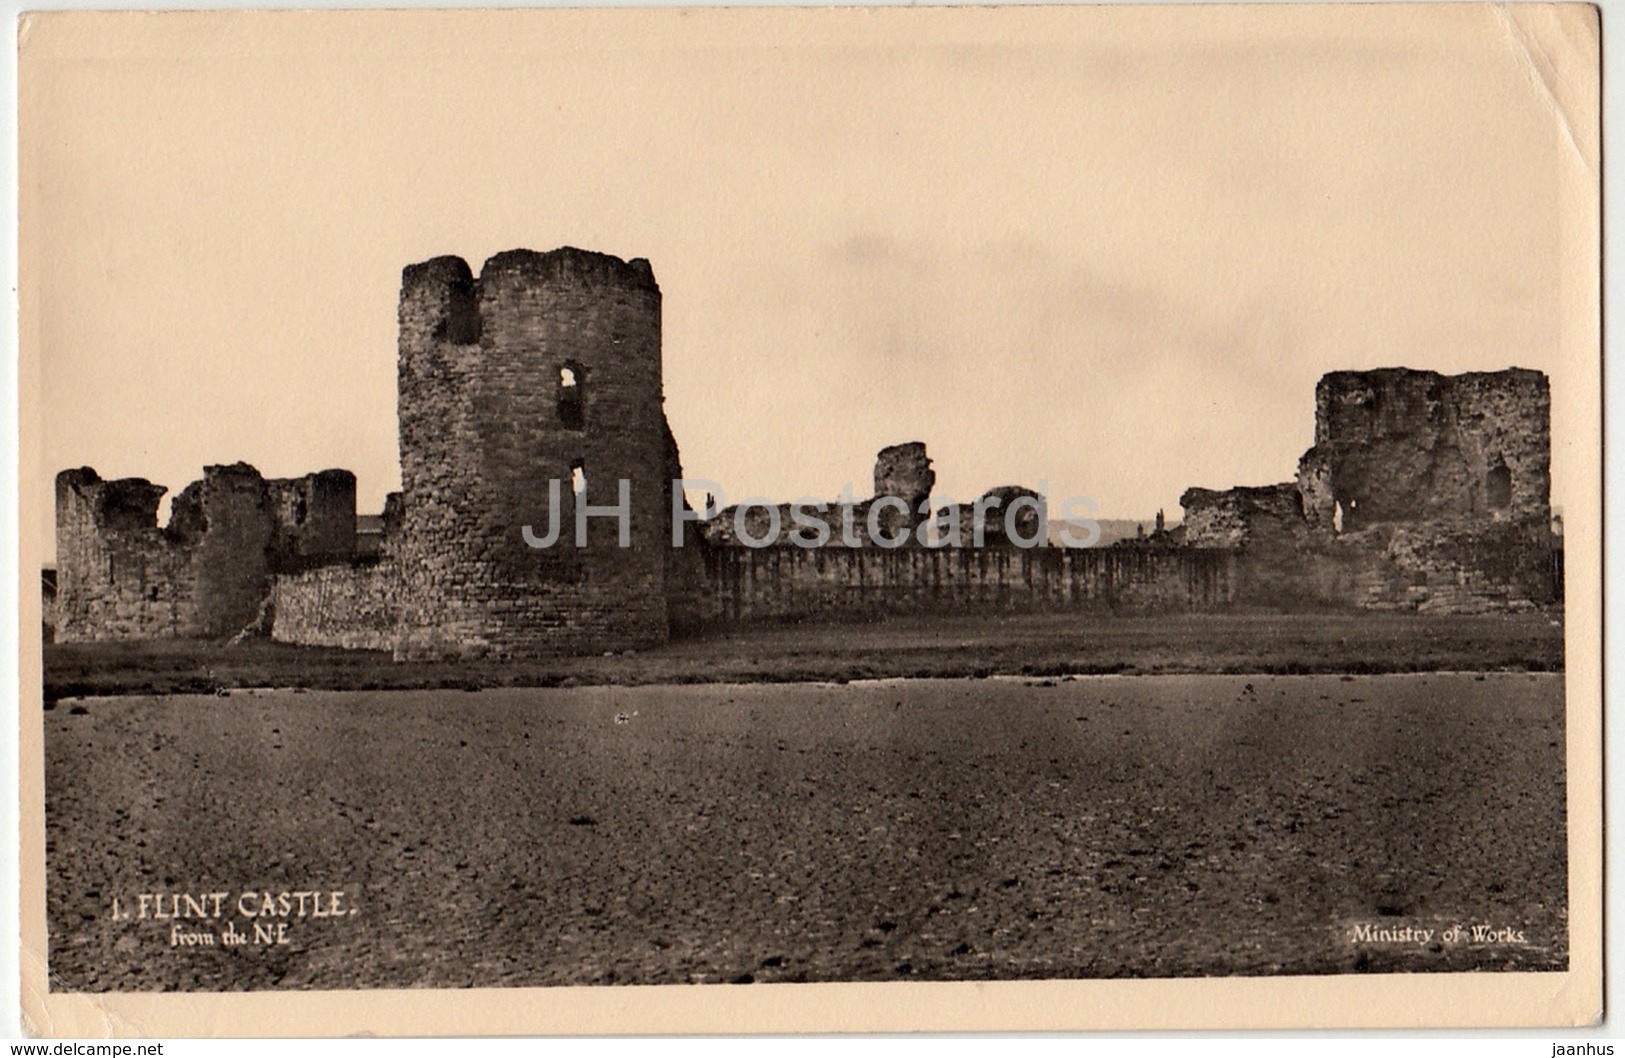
column 1430, row 569
column 544, row 365
column 1240, row 516
column 358, row 607
column 752, row 583
column 355, row 607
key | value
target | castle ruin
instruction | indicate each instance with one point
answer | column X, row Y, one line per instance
column 205, row 574
column 543, row 371
column 537, row 384
column 1422, row 491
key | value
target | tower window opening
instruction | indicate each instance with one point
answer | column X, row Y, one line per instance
column 461, row 325
column 571, row 398
column 578, row 479
column 1498, row 487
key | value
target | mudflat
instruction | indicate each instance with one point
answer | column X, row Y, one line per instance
column 936, row 829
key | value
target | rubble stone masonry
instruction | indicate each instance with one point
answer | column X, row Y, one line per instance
column 1422, row 491
column 1397, row 445
column 847, row 582
column 205, row 574
column 546, row 368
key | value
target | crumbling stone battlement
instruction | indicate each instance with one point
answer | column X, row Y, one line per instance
column 123, row 504
column 776, row 526
column 207, row 572
column 119, row 576
column 1398, row 445
column 902, row 473
column 315, row 517
column 1422, row 491
column 991, row 513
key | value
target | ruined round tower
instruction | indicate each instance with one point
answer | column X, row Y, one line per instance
column 546, row 367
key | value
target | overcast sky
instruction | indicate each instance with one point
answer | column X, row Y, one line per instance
column 1111, row 249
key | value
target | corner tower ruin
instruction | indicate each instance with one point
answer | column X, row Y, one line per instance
column 544, row 368
column 1422, row 491
column 208, row 572
column 1398, row 445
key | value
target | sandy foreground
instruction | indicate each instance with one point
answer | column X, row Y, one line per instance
column 1144, row 826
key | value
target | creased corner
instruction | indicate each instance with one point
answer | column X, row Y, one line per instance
column 1556, row 45
column 37, row 1019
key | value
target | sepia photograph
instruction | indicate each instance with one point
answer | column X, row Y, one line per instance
column 1080, row 516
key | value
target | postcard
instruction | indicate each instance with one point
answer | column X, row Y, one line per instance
column 810, row 520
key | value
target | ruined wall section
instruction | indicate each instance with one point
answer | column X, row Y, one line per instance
column 995, row 519
column 1266, row 528
column 776, row 525
column 1398, row 445
column 392, row 520
column 118, row 575
column 751, row 584
column 687, row 587
column 1422, row 491
column 315, row 518
column 50, row 612
column 1505, row 417
column 232, row 559
column 860, row 578
column 1269, row 516
column 208, row 573
column 545, row 368
column 903, row 472
column 1448, row 568
column 357, row 607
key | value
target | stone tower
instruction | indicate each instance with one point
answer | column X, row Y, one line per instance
column 546, row 367
column 1403, row 446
